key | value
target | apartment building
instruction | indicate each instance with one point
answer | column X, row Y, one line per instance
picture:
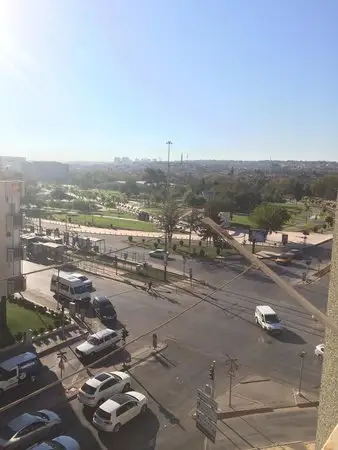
column 11, row 252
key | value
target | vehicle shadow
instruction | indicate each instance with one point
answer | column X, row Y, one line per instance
column 111, row 360
column 53, row 397
column 140, row 433
column 289, row 337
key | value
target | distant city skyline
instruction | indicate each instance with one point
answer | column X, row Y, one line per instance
column 89, row 81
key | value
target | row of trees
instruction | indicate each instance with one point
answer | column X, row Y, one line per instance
column 267, row 216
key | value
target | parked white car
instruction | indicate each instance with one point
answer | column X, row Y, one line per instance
column 104, row 385
column 97, row 342
column 119, row 410
column 319, row 351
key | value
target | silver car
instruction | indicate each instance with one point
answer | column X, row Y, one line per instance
column 58, row 443
column 29, row 428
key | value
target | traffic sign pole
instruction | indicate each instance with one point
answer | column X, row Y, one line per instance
column 206, row 411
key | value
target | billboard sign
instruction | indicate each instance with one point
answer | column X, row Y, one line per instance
column 257, row 235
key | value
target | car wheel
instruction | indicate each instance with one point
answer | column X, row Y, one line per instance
column 117, row 428
column 144, row 408
column 126, row 388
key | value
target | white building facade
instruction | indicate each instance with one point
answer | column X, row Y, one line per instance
column 11, row 251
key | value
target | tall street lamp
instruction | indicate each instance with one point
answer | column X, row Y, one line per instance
column 165, row 261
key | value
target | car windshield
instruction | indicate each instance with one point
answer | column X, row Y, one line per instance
column 93, row 340
column 55, row 445
column 103, row 414
column 7, row 433
column 41, row 415
column 90, row 390
column 80, row 289
column 271, row 318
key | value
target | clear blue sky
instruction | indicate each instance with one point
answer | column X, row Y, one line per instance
column 222, row 79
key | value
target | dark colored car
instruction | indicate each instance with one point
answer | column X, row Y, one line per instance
column 104, row 309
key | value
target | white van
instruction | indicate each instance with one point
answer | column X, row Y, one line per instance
column 70, row 287
column 86, row 281
column 266, row 317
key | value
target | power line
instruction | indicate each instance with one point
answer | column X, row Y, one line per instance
column 326, row 321
column 161, row 325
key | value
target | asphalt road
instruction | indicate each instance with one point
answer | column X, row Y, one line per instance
column 224, row 325
column 215, row 271
column 170, row 382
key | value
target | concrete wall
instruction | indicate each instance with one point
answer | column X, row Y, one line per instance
column 328, row 405
column 10, row 200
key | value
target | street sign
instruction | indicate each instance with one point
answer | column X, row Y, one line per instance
column 208, row 428
column 62, row 355
column 206, row 415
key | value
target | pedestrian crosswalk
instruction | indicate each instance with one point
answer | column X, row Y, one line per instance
column 293, row 446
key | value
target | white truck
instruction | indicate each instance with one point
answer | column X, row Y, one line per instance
column 70, row 287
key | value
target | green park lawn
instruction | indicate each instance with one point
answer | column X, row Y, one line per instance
column 298, row 222
column 20, row 319
column 106, row 222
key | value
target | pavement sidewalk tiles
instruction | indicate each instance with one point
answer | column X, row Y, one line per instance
column 256, row 394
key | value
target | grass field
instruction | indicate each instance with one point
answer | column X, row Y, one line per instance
column 299, row 218
column 106, row 222
column 20, row 319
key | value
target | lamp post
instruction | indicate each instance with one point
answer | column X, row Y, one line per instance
column 165, row 260
column 302, row 355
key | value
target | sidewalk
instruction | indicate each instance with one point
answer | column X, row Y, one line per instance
column 292, row 446
column 256, row 394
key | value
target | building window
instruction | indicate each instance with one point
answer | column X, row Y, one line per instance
column 14, row 253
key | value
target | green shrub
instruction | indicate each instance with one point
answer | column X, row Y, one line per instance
column 35, row 332
column 57, row 323
column 50, row 327
column 202, row 252
column 18, row 337
column 218, row 251
column 306, row 232
column 42, row 330
column 316, row 228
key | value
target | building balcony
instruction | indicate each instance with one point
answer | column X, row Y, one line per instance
column 16, row 284
column 15, row 253
column 13, row 221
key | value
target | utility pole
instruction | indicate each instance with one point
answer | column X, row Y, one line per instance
column 302, row 355
column 165, row 260
column 206, row 444
column 233, row 366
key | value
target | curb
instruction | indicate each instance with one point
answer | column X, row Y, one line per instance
column 61, row 345
column 244, row 412
column 263, row 410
